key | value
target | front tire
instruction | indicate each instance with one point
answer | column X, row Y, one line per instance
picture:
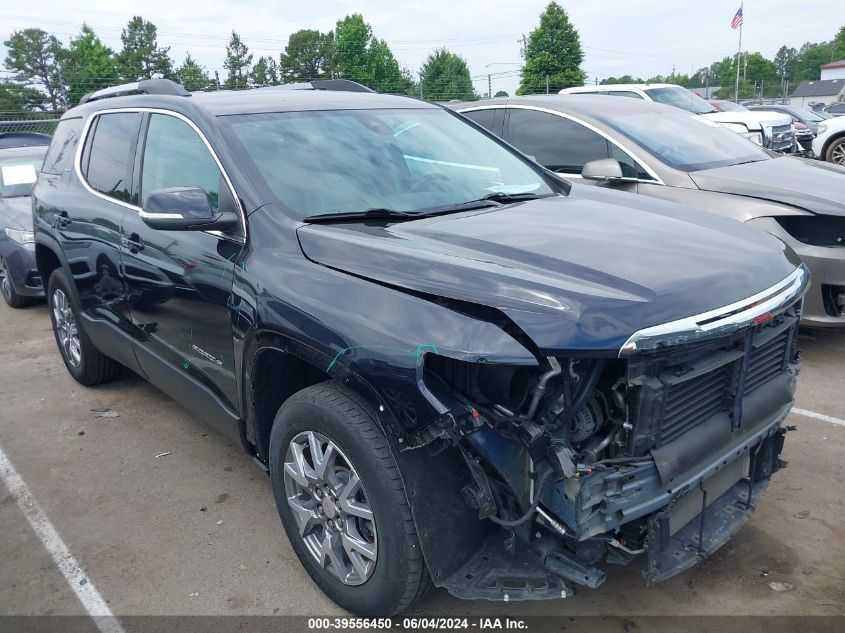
column 836, row 152
column 7, row 289
column 342, row 502
column 83, row 360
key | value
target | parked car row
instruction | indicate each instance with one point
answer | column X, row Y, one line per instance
column 489, row 350
column 618, row 143
column 21, row 155
column 772, row 130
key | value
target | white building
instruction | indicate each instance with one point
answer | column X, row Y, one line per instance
column 819, row 91
column 834, row 70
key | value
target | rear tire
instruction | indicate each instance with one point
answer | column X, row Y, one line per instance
column 835, row 152
column 10, row 295
column 83, row 360
column 333, row 416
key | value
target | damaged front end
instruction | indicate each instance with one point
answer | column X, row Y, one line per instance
column 542, row 473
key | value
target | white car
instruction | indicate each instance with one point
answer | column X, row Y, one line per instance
column 829, row 143
column 772, row 130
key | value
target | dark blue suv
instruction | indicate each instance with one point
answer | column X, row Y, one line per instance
column 457, row 368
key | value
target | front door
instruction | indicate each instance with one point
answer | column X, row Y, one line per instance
column 180, row 282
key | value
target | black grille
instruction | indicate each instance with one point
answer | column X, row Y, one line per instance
column 767, row 361
column 690, row 403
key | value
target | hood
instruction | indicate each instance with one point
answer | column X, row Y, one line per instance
column 575, row 273
column 751, row 119
column 17, row 212
column 811, row 185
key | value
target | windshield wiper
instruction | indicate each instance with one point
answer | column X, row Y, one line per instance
column 496, row 199
column 505, row 198
column 368, row 214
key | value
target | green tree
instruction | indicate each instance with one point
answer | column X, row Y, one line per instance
column 501, row 93
column 445, row 76
column 359, row 56
column 90, row 65
column 35, row 57
column 553, row 54
column 192, row 75
column 141, row 56
column 264, row 73
column 385, row 72
column 237, row 63
column 307, row 56
column 16, row 98
column 785, row 61
column 838, row 45
column 624, row 79
column 350, row 57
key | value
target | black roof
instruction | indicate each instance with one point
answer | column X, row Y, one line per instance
column 257, row 100
column 819, row 88
column 23, row 139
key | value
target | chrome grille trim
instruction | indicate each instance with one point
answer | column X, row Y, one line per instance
column 721, row 321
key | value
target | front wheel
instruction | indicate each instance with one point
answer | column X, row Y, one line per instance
column 83, row 360
column 836, row 152
column 342, row 502
column 10, row 295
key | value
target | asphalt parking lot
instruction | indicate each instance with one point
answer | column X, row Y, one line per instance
column 165, row 517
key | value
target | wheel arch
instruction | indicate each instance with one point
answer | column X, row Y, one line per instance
column 275, row 368
column 829, row 142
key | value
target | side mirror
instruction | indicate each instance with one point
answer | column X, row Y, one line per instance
column 602, row 169
column 183, row 209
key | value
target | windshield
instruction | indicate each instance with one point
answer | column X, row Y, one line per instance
column 18, row 173
column 730, row 106
column 680, row 98
column 347, row 161
column 809, row 115
column 686, row 142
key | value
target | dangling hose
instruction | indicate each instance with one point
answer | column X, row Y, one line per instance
column 525, row 517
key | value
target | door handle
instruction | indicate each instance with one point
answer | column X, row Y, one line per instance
column 134, row 243
column 63, row 219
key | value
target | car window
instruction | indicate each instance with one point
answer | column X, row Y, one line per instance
column 176, row 156
column 630, row 167
column 18, row 173
column 625, row 93
column 680, row 98
column 555, row 142
column 63, row 147
column 404, row 159
column 484, row 118
column 682, row 140
column 110, row 156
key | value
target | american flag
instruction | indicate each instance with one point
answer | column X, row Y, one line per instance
column 737, row 21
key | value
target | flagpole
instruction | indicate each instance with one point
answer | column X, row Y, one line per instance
column 739, row 52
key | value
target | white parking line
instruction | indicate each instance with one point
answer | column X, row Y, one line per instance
column 67, row 564
column 818, row 416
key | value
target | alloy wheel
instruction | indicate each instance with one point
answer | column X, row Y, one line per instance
column 66, row 327
column 837, row 156
column 331, row 509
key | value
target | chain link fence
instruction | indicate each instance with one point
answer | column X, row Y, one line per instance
column 29, row 122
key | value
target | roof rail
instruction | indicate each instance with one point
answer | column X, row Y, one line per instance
column 146, row 86
column 341, row 85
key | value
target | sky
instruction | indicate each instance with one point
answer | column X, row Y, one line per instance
column 641, row 38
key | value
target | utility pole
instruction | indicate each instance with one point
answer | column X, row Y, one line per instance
column 673, row 74
column 489, row 87
column 217, row 79
column 523, row 52
column 547, row 84
column 421, row 90
column 62, row 86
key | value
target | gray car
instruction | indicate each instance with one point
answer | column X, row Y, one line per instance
column 21, row 156
column 664, row 152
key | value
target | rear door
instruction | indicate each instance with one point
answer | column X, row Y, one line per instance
column 180, row 282
column 89, row 220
